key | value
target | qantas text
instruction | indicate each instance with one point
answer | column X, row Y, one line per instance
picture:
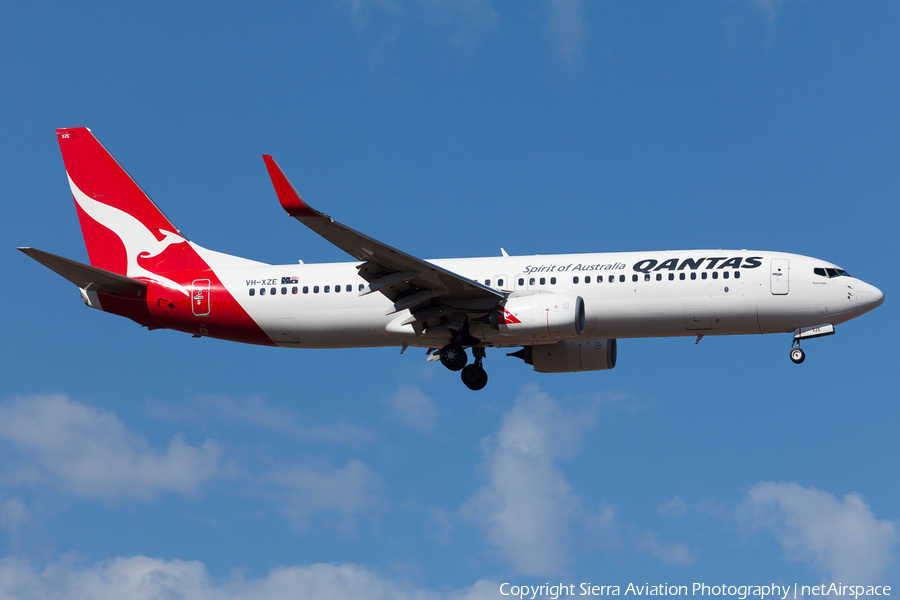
column 715, row 262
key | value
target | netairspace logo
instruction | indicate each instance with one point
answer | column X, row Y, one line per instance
column 741, row 592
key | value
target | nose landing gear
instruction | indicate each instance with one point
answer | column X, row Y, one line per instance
column 797, row 355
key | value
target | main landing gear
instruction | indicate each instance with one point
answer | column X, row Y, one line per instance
column 453, row 356
column 474, row 375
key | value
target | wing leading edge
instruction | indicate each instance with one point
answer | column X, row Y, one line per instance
column 409, row 282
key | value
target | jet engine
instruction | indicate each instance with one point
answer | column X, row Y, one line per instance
column 570, row 357
column 540, row 316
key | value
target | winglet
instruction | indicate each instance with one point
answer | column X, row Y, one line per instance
column 287, row 194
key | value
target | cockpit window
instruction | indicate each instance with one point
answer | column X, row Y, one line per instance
column 830, row 272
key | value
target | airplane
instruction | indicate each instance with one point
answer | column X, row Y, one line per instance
column 565, row 312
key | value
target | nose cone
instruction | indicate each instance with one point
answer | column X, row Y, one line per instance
column 868, row 297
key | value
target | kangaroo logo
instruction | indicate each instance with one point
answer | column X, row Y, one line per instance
column 506, row 317
column 136, row 237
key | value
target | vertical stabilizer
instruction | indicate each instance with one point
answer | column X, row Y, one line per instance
column 123, row 229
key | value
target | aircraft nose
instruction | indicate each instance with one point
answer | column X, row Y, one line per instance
column 868, row 297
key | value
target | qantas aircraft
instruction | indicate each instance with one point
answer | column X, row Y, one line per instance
column 564, row 311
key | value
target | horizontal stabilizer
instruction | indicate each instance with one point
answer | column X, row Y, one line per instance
column 85, row 276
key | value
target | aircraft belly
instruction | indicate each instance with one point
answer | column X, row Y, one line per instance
column 684, row 315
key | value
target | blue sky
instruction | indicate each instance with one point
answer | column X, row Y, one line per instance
column 136, row 464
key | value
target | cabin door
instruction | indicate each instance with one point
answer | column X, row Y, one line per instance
column 200, row 297
column 780, row 278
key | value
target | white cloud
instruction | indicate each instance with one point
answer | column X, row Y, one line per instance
column 414, row 408
column 567, row 25
column 90, row 453
column 769, row 8
column 347, row 492
column 463, row 21
column 467, row 20
column 527, row 505
column 143, row 578
column 361, row 10
column 674, row 554
column 14, row 514
column 256, row 412
column 840, row 538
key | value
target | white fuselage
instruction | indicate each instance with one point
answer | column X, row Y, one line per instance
column 626, row 295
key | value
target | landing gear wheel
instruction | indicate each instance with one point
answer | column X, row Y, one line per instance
column 797, row 355
column 453, row 357
column 474, row 377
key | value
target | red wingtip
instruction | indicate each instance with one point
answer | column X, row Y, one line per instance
column 287, row 195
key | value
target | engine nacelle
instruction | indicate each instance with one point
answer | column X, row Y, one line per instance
column 540, row 316
column 570, row 357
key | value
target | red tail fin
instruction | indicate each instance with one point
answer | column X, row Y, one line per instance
column 123, row 229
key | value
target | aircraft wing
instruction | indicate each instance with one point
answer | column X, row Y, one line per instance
column 407, row 281
column 85, row 276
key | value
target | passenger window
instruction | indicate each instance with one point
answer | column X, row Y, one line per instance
column 681, row 276
column 737, row 274
column 273, row 291
column 262, row 291
column 294, row 290
column 327, row 289
column 671, row 276
column 531, row 281
column 715, row 274
column 703, row 275
column 553, row 281
column 361, row 286
column 724, row 274
column 284, row 290
column 305, row 289
column 543, row 280
column 252, row 291
column 337, row 289
column 622, row 278
column 646, row 276
column 693, row 275
column 634, row 277
column 521, row 281
column 587, row 279
column 315, row 289
column 349, row 288
column 500, row 283
column 659, row 276
column 575, row 279
column 487, row 282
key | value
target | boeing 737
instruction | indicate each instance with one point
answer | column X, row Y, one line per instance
column 564, row 312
